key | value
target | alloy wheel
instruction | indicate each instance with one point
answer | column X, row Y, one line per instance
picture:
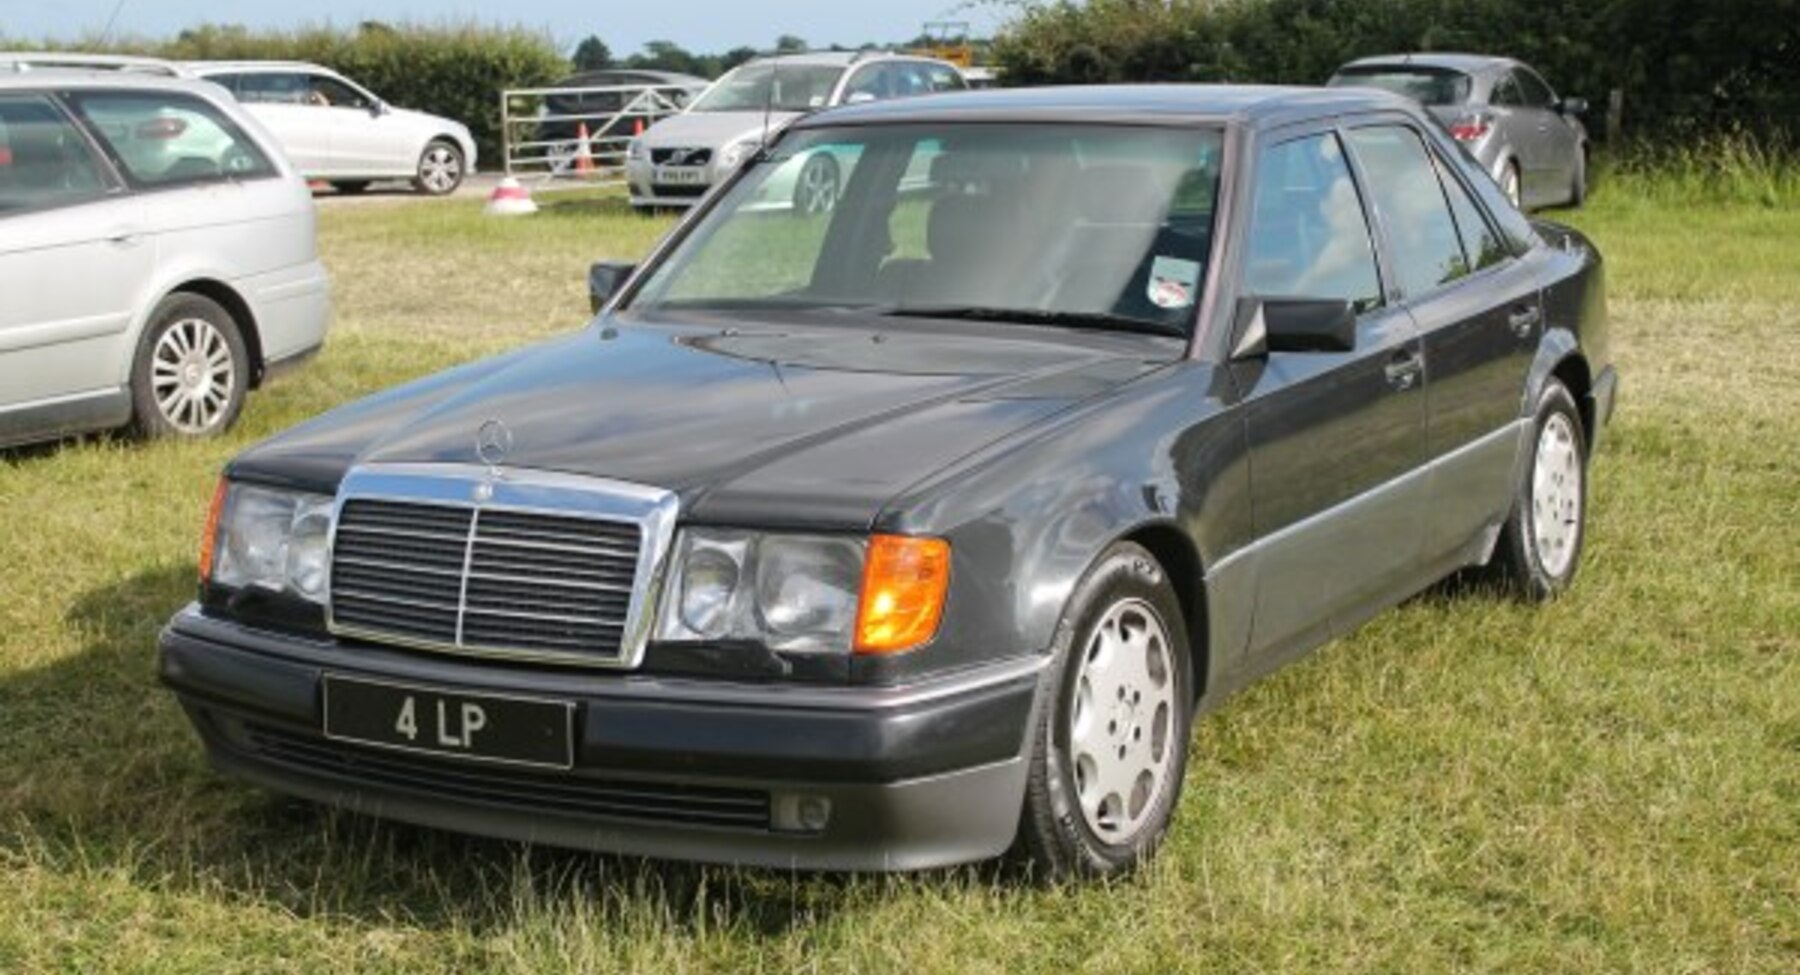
column 440, row 170
column 192, row 375
column 818, row 187
column 1556, row 495
column 1122, row 721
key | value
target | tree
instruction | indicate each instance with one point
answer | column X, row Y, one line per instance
column 736, row 56
column 789, row 44
column 592, row 55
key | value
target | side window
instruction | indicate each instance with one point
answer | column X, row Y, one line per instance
column 44, row 161
column 328, row 92
column 1308, row 235
column 271, row 88
column 1533, row 92
column 1507, row 93
column 1481, row 246
column 870, row 83
column 1404, row 188
column 942, row 77
column 170, row 139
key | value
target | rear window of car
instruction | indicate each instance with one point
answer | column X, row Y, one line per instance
column 44, row 160
column 169, row 139
column 1428, row 86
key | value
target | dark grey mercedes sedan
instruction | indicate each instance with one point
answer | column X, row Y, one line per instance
column 918, row 530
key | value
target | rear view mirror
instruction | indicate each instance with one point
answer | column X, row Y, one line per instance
column 1267, row 325
column 605, row 278
column 1572, row 106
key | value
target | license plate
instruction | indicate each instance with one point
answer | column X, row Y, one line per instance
column 680, row 175
column 453, row 724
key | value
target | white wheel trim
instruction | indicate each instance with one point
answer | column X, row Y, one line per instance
column 441, row 169
column 1122, row 723
column 192, row 375
column 1556, row 496
column 818, row 187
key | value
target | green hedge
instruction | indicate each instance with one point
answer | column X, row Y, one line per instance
column 457, row 71
column 1686, row 68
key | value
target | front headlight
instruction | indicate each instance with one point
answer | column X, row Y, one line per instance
column 270, row 539
column 794, row 592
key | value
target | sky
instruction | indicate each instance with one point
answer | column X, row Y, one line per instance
column 699, row 25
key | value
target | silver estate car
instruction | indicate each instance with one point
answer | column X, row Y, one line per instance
column 1531, row 141
column 677, row 160
column 157, row 255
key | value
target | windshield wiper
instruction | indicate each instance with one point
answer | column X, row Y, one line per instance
column 1038, row 316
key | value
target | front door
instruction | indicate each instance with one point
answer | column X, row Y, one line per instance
column 283, row 101
column 1336, row 438
column 366, row 139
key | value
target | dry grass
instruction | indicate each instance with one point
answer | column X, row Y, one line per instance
column 1606, row 784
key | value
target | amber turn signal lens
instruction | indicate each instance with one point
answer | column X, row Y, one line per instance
column 209, row 539
column 904, row 582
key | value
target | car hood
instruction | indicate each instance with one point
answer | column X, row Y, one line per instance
column 713, row 129
column 767, row 425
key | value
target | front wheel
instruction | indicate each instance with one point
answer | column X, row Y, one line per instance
column 191, row 370
column 1513, row 186
column 1540, row 545
column 1109, row 746
column 440, row 169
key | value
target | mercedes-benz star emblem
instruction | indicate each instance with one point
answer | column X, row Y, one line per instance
column 492, row 443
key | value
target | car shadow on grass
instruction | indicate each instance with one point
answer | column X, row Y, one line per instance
column 104, row 778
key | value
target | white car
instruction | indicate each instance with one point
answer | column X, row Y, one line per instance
column 157, row 255
column 338, row 131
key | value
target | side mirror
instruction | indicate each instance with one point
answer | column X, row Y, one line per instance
column 1267, row 325
column 605, row 278
column 1572, row 106
column 378, row 108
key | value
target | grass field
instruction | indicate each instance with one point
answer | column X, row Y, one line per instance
column 1607, row 784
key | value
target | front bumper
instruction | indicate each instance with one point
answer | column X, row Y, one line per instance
column 919, row 776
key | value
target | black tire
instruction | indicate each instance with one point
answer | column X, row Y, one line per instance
column 351, row 187
column 1055, row 840
column 441, row 168
column 1517, row 195
column 1519, row 557
column 817, row 187
column 151, row 418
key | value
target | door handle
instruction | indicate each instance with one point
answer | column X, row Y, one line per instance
column 1404, row 369
column 1524, row 320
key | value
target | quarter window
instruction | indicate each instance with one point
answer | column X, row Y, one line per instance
column 1507, row 93
column 44, row 161
column 1481, row 246
column 1425, row 249
column 168, row 139
column 1308, row 235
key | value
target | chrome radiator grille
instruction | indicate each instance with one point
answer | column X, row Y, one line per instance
column 485, row 580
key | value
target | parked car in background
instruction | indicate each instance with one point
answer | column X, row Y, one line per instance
column 679, row 159
column 898, row 534
column 336, row 130
column 562, row 111
column 157, row 255
column 1528, row 139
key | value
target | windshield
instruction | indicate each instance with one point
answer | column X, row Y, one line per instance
column 767, row 85
column 1428, row 86
column 1100, row 226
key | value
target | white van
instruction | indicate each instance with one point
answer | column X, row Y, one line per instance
column 157, row 255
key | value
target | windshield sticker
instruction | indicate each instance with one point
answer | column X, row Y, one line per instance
column 1172, row 282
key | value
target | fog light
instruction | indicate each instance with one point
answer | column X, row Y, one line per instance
column 801, row 814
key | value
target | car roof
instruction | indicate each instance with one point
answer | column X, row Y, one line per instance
column 19, row 62
column 839, row 59
column 665, row 77
column 1172, row 103
column 1468, row 63
column 217, row 67
column 74, row 78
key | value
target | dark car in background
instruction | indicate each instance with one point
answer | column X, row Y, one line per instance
column 918, row 529
column 1529, row 139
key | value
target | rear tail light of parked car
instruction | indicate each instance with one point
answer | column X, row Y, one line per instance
column 1471, row 128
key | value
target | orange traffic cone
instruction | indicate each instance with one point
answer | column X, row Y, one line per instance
column 637, row 126
column 584, row 155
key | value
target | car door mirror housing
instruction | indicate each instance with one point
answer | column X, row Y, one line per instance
column 1266, row 325
column 1572, row 106
column 605, row 278
column 378, row 108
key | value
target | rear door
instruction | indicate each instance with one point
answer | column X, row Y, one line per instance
column 1336, row 438
column 282, row 101
column 74, row 259
column 1476, row 307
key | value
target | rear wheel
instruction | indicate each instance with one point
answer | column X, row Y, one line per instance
column 1110, row 742
column 440, row 168
column 1540, row 545
column 191, row 371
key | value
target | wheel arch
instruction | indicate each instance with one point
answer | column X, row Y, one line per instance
column 241, row 314
column 1174, row 551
